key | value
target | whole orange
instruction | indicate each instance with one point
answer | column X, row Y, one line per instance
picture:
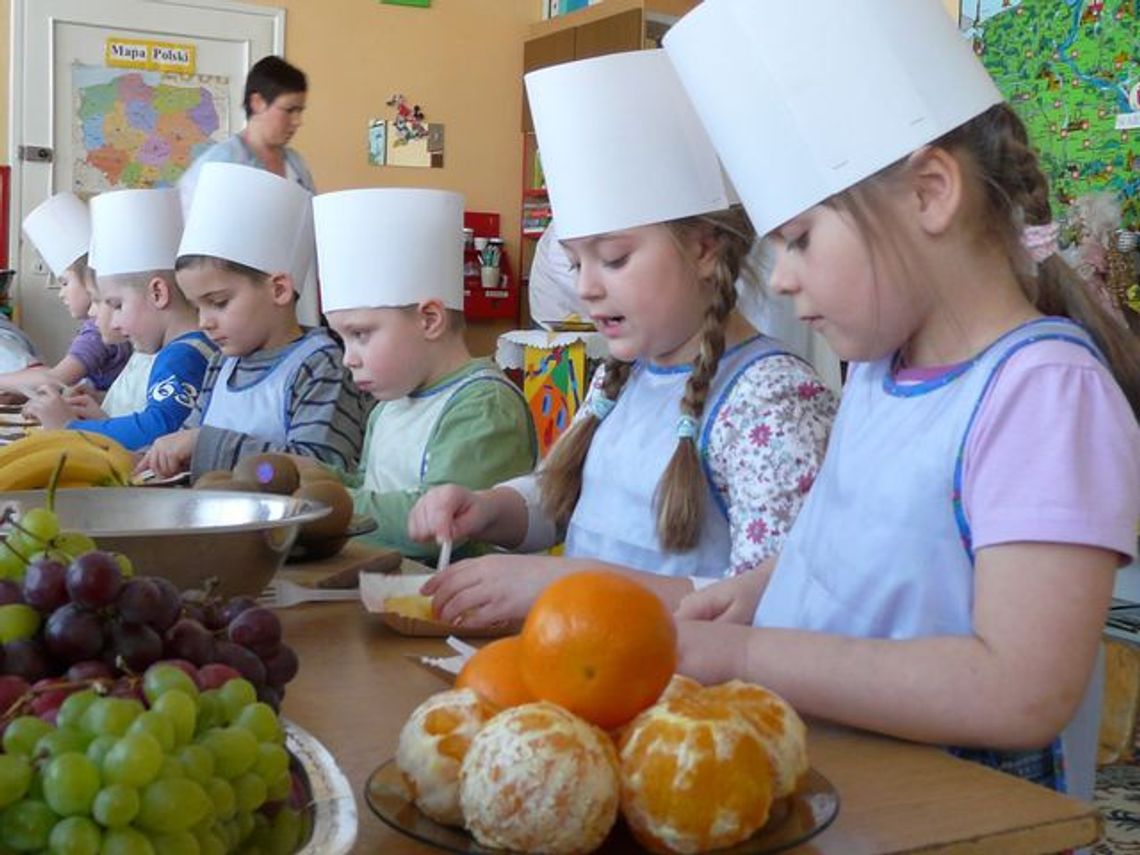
column 493, row 672
column 600, row 645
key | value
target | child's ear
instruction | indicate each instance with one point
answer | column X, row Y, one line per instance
column 433, row 318
column 706, row 245
column 936, row 188
column 281, row 289
column 257, row 103
column 158, row 292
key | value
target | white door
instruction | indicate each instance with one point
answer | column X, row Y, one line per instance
column 80, row 123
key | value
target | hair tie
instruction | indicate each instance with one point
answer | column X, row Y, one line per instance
column 601, row 406
column 686, row 427
column 1040, row 241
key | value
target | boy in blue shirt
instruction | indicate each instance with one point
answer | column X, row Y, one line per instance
column 134, row 240
column 275, row 386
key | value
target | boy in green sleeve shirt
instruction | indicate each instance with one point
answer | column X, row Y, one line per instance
column 391, row 264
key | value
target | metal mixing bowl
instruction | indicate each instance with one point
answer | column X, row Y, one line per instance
column 187, row 536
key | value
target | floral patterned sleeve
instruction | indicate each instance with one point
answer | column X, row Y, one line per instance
column 764, row 449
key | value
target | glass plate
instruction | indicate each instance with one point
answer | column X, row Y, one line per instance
column 332, row 805
column 358, row 525
column 810, row 810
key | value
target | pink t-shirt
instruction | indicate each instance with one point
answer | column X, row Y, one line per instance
column 1054, row 453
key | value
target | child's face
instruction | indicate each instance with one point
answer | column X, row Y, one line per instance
column 237, row 314
column 839, row 288
column 101, row 313
column 385, row 350
column 73, row 293
column 132, row 314
column 642, row 290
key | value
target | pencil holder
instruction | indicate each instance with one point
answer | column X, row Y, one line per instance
column 490, row 277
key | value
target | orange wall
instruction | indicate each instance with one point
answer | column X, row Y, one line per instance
column 460, row 60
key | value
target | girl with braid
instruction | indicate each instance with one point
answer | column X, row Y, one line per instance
column 948, row 578
column 699, row 438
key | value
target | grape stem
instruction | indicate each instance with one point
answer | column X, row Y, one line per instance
column 53, row 482
column 100, row 685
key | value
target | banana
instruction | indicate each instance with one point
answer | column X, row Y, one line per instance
column 84, row 465
column 61, row 440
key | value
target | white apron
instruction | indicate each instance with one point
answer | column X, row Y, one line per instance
column 614, row 519
column 262, row 408
column 861, row 561
column 397, row 455
column 127, row 393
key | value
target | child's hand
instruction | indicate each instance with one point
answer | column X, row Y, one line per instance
column 731, row 600
column 495, row 590
column 450, row 513
column 712, row 653
column 47, row 406
column 170, row 454
column 84, row 406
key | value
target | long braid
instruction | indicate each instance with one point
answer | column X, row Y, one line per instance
column 680, row 497
column 682, row 490
column 1017, row 191
column 560, row 477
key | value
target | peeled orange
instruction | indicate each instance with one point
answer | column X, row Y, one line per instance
column 538, row 779
column 432, row 745
column 783, row 731
column 695, row 776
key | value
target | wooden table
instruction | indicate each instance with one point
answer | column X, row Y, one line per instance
column 356, row 688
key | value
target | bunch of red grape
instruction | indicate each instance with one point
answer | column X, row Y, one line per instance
column 89, row 610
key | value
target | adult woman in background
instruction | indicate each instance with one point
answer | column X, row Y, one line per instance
column 274, row 102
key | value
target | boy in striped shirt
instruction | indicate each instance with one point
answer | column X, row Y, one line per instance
column 275, row 386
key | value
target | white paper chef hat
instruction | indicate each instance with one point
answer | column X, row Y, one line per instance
column 804, row 100
column 60, row 230
column 253, row 217
column 621, row 145
column 386, row 247
column 135, row 231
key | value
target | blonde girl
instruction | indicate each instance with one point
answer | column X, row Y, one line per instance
column 699, row 438
column 948, row 577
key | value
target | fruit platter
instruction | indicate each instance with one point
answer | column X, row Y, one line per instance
column 138, row 718
column 578, row 736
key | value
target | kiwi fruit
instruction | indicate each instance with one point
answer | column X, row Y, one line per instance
column 210, row 480
column 235, row 485
column 312, row 474
column 272, row 473
column 333, row 524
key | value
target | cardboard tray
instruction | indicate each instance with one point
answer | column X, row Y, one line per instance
column 376, row 588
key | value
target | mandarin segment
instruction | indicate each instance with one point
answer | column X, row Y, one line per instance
column 538, row 779
column 695, row 776
column 781, row 727
column 432, row 745
column 600, row 645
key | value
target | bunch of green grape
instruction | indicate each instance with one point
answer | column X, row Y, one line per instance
column 150, row 766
